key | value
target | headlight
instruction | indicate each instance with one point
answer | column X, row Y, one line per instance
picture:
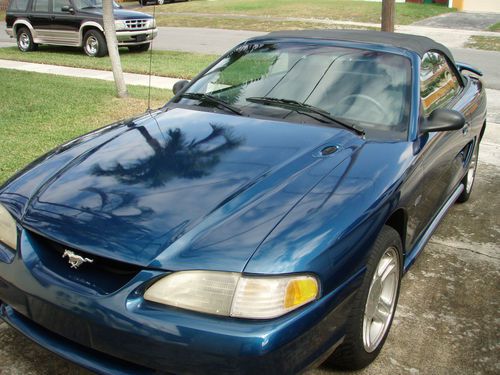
column 232, row 294
column 8, row 230
column 120, row 25
column 151, row 23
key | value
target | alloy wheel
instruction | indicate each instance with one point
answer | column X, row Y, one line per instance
column 381, row 300
column 24, row 41
column 92, row 45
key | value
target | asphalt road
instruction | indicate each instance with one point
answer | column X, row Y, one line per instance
column 218, row 41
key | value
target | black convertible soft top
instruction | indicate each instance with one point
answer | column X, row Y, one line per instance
column 415, row 43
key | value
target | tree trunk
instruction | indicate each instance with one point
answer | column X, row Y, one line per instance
column 112, row 43
column 388, row 11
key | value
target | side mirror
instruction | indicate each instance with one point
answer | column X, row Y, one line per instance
column 443, row 120
column 179, row 85
column 67, row 8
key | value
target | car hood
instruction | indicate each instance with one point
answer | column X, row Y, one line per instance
column 182, row 189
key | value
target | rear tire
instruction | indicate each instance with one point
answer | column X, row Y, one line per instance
column 374, row 305
column 139, row 48
column 94, row 44
column 470, row 177
column 25, row 40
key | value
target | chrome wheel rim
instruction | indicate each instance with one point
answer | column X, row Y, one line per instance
column 160, row 2
column 381, row 300
column 471, row 173
column 24, row 41
column 92, row 45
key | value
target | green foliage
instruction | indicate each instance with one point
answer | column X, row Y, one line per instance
column 165, row 63
column 494, row 27
column 341, row 10
column 488, row 43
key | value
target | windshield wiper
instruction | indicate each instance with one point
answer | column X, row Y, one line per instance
column 306, row 108
column 211, row 99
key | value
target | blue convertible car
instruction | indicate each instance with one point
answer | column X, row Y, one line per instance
column 260, row 222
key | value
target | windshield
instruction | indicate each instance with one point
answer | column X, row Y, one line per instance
column 368, row 88
column 85, row 4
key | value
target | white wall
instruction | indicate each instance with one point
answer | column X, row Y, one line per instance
column 482, row 5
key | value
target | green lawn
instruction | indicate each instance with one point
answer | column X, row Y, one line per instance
column 165, row 63
column 495, row 27
column 342, row 10
column 233, row 23
column 488, row 43
column 40, row 111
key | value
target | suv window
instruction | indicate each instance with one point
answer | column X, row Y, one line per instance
column 58, row 4
column 18, row 5
column 41, row 6
column 438, row 82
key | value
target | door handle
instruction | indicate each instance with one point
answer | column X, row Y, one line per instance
column 466, row 128
column 52, row 18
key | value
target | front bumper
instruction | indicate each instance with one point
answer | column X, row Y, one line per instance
column 131, row 38
column 120, row 332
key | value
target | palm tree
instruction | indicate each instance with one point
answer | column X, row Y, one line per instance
column 112, row 43
column 388, row 10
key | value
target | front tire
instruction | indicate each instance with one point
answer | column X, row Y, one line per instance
column 374, row 305
column 25, row 40
column 139, row 48
column 94, row 44
column 470, row 177
column 160, row 2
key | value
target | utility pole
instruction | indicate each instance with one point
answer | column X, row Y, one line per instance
column 112, row 43
column 388, row 11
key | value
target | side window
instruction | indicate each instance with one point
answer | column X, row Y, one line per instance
column 19, row 5
column 41, row 6
column 438, row 83
column 58, row 4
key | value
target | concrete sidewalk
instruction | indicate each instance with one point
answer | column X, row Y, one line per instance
column 130, row 78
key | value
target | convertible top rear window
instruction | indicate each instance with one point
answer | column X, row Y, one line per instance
column 369, row 88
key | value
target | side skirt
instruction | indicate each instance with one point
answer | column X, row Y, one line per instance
column 419, row 246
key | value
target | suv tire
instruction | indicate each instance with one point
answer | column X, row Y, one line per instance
column 25, row 40
column 94, row 44
column 139, row 48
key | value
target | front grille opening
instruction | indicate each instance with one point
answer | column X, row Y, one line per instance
column 102, row 276
column 136, row 24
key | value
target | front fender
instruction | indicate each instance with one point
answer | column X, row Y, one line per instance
column 331, row 231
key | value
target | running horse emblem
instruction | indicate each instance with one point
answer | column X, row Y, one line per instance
column 75, row 260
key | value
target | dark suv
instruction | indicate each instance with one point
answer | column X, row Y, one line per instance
column 76, row 23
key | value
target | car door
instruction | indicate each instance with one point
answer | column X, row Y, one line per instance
column 443, row 153
column 40, row 18
column 65, row 24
